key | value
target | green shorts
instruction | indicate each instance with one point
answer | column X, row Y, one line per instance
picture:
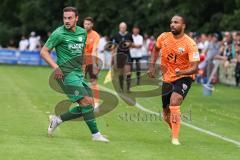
column 75, row 87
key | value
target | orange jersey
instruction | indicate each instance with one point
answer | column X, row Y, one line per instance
column 91, row 43
column 176, row 54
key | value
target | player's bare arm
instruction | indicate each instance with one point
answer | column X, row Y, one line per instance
column 191, row 70
column 45, row 54
column 95, row 58
column 154, row 57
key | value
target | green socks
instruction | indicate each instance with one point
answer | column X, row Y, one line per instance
column 73, row 113
column 89, row 118
column 86, row 112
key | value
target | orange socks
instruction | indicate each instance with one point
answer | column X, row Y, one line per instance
column 166, row 116
column 95, row 90
column 175, row 120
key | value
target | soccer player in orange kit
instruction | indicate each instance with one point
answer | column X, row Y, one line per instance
column 179, row 62
column 91, row 57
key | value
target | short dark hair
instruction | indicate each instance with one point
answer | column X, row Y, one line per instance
column 183, row 18
column 89, row 19
column 71, row 9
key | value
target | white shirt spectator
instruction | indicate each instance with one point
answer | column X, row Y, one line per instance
column 23, row 44
column 34, row 42
column 137, row 52
column 101, row 44
column 203, row 45
column 145, row 47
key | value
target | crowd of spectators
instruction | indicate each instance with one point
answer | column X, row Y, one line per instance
column 218, row 48
column 221, row 47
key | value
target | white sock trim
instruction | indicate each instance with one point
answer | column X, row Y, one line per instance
column 59, row 120
column 96, row 134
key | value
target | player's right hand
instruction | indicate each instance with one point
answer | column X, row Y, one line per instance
column 58, row 73
column 151, row 71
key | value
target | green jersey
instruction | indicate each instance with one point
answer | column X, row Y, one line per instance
column 69, row 47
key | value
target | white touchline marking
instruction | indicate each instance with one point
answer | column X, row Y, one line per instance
column 184, row 123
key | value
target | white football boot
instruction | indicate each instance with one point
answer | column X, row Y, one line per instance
column 54, row 121
column 99, row 137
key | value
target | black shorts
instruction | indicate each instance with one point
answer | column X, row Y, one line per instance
column 123, row 59
column 89, row 71
column 135, row 59
column 180, row 86
column 138, row 65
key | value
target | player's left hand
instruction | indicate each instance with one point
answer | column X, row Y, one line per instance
column 95, row 69
column 58, row 73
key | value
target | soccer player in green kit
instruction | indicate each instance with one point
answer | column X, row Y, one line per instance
column 69, row 42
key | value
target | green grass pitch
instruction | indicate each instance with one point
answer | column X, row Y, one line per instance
column 26, row 100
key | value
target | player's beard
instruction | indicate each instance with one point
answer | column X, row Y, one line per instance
column 176, row 31
column 69, row 26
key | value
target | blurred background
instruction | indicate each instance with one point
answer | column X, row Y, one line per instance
column 20, row 17
column 26, row 24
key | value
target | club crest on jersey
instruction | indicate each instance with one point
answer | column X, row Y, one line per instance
column 76, row 92
column 80, row 39
column 181, row 50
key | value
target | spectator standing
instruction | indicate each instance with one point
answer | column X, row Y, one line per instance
column 23, row 44
column 212, row 50
column 101, row 52
column 34, row 42
column 145, row 46
column 136, row 52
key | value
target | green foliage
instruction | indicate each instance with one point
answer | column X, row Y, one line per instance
column 152, row 16
column 231, row 22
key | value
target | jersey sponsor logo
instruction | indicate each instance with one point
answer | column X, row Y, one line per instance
column 76, row 46
column 172, row 57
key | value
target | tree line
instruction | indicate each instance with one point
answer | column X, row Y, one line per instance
column 152, row 16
